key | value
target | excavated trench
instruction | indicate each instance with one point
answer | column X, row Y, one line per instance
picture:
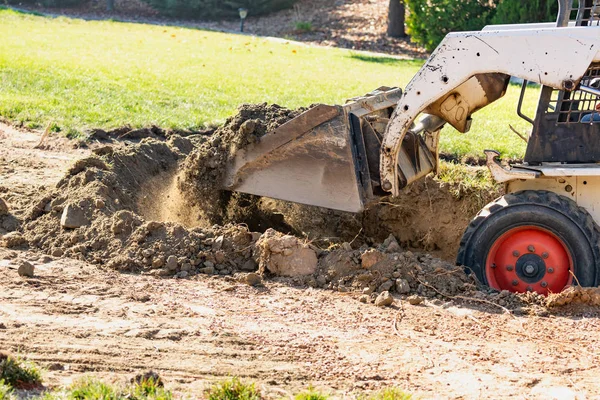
column 155, row 207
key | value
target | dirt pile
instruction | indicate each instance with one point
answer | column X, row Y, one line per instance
column 93, row 214
column 204, row 170
column 151, row 207
column 574, row 295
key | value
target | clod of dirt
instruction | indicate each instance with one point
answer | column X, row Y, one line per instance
column 13, row 239
column 414, row 300
column 73, row 217
column 574, row 295
column 26, row 269
column 285, row 255
column 252, row 279
column 3, row 207
column 371, row 257
column 402, row 286
column 391, row 245
column 384, row 299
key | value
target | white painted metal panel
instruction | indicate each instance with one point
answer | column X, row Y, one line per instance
column 549, row 56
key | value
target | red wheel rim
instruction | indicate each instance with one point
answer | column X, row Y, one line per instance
column 529, row 258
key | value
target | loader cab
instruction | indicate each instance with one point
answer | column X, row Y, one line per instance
column 566, row 126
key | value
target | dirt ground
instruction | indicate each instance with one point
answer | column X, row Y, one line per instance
column 76, row 318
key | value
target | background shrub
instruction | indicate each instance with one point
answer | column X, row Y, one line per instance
column 429, row 21
column 519, row 11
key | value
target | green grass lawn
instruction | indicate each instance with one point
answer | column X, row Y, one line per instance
column 104, row 74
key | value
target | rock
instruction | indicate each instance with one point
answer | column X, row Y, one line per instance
column 249, row 265
column 219, row 256
column 218, row 243
column 285, row 255
column 186, row 267
column 402, row 286
column 368, row 290
column 371, row 257
column 3, row 207
column 251, row 279
column 391, row 245
column 207, row 270
column 56, row 367
column 209, row 264
column 384, row 299
column 248, row 127
column 73, row 217
column 26, row 269
column 321, row 280
column 414, row 300
column 394, row 247
column 182, row 274
column 57, row 252
column 99, row 203
column 385, row 286
column 158, row 262
column 147, row 253
column 172, row 263
column 13, row 239
column 364, row 298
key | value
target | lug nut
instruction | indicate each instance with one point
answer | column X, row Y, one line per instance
column 545, row 255
column 515, row 282
column 529, row 289
column 516, row 253
column 550, row 270
column 509, row 267
column 530, row 248
column 493, row 265
column 544, row 284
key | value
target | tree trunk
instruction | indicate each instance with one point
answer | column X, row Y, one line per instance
column 396, row 16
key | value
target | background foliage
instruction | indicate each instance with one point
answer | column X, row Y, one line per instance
column 428, row 21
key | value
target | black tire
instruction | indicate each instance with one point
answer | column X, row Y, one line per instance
column 550, row 212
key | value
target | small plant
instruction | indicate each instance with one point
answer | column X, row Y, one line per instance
column 148, row 386
column 18, row 373
column 311, row 394
column 391, row 394
column 304, row 26
column 92, row 389
column 6, row 392
column 233, row 389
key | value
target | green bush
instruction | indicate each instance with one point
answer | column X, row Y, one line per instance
column 214, row 9
column 17, row 373
column 429, row 21
column 519, row 11
column 6, row 392
column 233, row 389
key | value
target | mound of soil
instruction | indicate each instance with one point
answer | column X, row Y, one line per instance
column 151, row 207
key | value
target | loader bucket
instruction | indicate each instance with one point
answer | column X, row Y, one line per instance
column 328, row 156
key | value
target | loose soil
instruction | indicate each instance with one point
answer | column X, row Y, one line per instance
column 119, row 288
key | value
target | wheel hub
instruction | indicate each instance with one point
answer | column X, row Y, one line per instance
column 529, row 258
column 530, row 268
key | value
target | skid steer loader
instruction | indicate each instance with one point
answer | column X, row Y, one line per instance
column 542, row 235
